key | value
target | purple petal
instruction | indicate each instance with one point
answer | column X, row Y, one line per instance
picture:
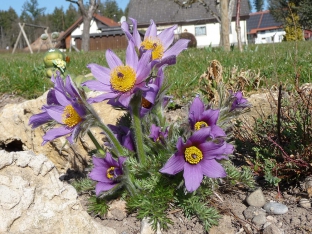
column 176, row 49
column 211, row 149
column 136, row 36
column 196, row 109
column 210, row 116
column 110, row 161
column 99, row 162
column 102, row 74
column 102, row 97
column 55, row 133
column 100, row 174
column 96, row 85
column 154, row 132
column 212, row 168
column 70, row 87
column 76, row 130
column 56, row 112
column 199, row 136
column 151, row 30
column 125, row 98
column 216, row 131
column 39, row 119
column 167, row 36
column 51, row 99
column 102, row 187
column 112, row 59
column 62, row 98
column 131, row 56
column 193, row 176
column 174, row 165
column 144, row 67
column 121, row 160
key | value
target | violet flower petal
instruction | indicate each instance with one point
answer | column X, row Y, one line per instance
column 174, row 165
column 193, row 176
column 212, row 168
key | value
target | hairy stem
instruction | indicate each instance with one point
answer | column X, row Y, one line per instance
column 96, row 143
column 137, row 127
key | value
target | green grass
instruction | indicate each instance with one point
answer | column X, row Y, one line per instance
column 23, row 74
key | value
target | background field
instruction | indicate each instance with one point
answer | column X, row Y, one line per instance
column 23, row 74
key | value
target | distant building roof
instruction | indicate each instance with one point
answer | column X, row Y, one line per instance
column 102, row 19
column 260, row 21
column 167, row 12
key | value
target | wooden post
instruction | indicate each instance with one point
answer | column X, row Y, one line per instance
column 19, row 36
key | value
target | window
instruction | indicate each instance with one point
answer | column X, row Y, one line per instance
column 200, row 30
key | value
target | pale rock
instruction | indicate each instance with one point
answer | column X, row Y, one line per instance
column 35, row 203
column 256, row 198
column 146, row 227
column 14, row 130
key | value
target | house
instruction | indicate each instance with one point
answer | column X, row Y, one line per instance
column 263, row 28
column 105, row 34
column 194, row 19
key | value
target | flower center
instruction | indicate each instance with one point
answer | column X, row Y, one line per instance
column 110, row 172
column 200, row 124
column 145, row 103
column 193, row 155
column 123, row 78
column 70, row 116
column 154, row 44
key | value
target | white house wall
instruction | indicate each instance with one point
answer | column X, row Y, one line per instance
column 212, row 36
column 79, row 29
column 269, row 36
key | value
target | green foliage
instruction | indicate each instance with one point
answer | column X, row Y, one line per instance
column 194, row 205
column 97, row 206
column 83, row 185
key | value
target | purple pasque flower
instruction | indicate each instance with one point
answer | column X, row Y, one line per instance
column 157, row 134
column 197, row 157
column 124, row 136
column 120, row 81
column 64, row 105
column 149, row 96
column 201, row 117
column 239, row 101
column 107, row 172
column 159, row 44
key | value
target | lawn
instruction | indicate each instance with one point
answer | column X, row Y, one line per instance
column 23, row 73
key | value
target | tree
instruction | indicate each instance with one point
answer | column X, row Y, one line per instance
column 87, row 12
column 71, row 15
column 225, row 7
column 8, row 27
column 32, row 7
column 57, row 20
column 111, row 10
column 258, row 4
column 281, row 11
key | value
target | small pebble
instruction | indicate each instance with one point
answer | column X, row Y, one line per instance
column 259, row 219
column 256, row 198
column 305, row 203
column 252, row 211
column 275, row 208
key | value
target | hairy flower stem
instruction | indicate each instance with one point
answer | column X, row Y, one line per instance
column 121, row 151
column 137, row 127
column 112, row 139
column 96, row 143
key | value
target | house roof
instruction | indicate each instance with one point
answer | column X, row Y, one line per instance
column 261, row 21
column 104, row 20
column 167, row 12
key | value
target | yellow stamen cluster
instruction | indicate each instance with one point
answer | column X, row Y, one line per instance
column 145, row 103
column 110, row 172
column 200, row 124
column 70, row 117
column 123, row 78
column 193, row 155
column 154, row 44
